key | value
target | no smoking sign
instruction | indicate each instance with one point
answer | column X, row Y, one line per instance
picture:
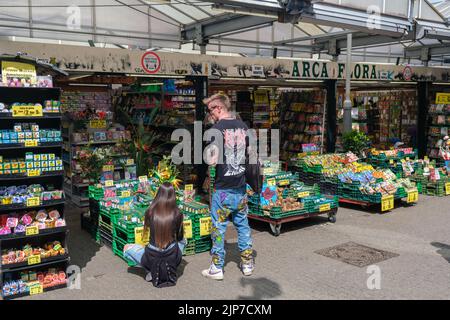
column 151, row 63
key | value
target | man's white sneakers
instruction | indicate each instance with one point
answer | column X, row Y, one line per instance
column 247, row 269
column 213, row 273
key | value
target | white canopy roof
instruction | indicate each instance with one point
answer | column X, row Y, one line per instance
column 247, row 27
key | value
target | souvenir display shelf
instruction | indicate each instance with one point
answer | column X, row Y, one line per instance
column 33, row 163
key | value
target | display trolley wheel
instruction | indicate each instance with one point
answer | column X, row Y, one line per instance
column 276, row 229
column 332, row 216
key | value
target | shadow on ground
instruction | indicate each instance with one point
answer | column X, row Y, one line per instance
column 261, row 226
column 82, row 247
column 262, row 288
column 444, row 250
column 233, row 254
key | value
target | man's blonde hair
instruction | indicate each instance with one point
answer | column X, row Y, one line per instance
column 221, row 97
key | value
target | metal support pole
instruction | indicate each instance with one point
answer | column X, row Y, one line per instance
column 348, row 78
column 423, row 101
column 331, row 115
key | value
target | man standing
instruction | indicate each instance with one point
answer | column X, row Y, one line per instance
column 229, row 198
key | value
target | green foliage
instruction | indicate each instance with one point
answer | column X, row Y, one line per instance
column 355, row 142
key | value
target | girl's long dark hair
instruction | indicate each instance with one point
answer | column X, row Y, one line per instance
column 163, row 212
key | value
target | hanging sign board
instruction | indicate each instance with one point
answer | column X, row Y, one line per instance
column 387, row 203
column 97, row 124
column 18, row 74
column 27, row 111
column 141, row 236
column 205, row 226
column 187, row 226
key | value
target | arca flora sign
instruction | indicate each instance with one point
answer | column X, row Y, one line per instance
column 332, row 70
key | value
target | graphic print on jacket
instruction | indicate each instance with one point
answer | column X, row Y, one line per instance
column 234, row 150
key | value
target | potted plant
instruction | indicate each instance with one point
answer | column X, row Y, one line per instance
column 356, row 142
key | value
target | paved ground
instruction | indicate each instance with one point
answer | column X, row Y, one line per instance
column 286, row 266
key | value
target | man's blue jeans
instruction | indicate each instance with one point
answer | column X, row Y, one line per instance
column 228, row 203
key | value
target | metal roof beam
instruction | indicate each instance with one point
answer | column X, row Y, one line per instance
column 433, row 50
column 222, row 24
column 359, row 41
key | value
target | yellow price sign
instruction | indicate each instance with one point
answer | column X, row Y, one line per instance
column 33, row 202
column 187, row 226
column 267, row 171
column 31, row 143
column 141, row 236
column 33, row 173
column 407, row 158
column 34, row 260
column 442, row 98
column 126, row 193
column 387, row 203
column 143, row 179
column 447, row 189
column 303, row 194
column 27, row 111
column 413, row 196
column 31, row 231
column 108, row 167
column 36, row 289
column 325, row 207
column 271, row 182
column 109, row 183
column 205, row 226
column 130, row 162
column 189, row 187
column 391, row 161
column 284, row 182
column 97, row 124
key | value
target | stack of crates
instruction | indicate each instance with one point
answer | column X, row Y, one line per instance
column 105, row 224
column 196, row 211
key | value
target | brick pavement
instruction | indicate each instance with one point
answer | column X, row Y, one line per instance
column 286, row 266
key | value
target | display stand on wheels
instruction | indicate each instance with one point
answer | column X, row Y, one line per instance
column 32, row 226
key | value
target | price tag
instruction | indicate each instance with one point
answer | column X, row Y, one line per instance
column 391, row 161
column 426, row 158
column 97, row 124
column 126, row 193
column 267, row 171
column 36, row 289
column 447, row 189
column 34, row 260
column 442, row 98
column 325, row 207
column 109, row 183
column 189, row 187
column 108, row 167
column 141, row 237
column 27, row 111
column 143, row 179
column 130, row 162
column 33, row 173
column 303, row 194
column 205, row 226
column 413, row 196
column 31, row 143
column 284, row 182
column 271, row 182
column 31, row 231
column 33, row 202
column 407, row 158
column 187, row 225
column 387, row 203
